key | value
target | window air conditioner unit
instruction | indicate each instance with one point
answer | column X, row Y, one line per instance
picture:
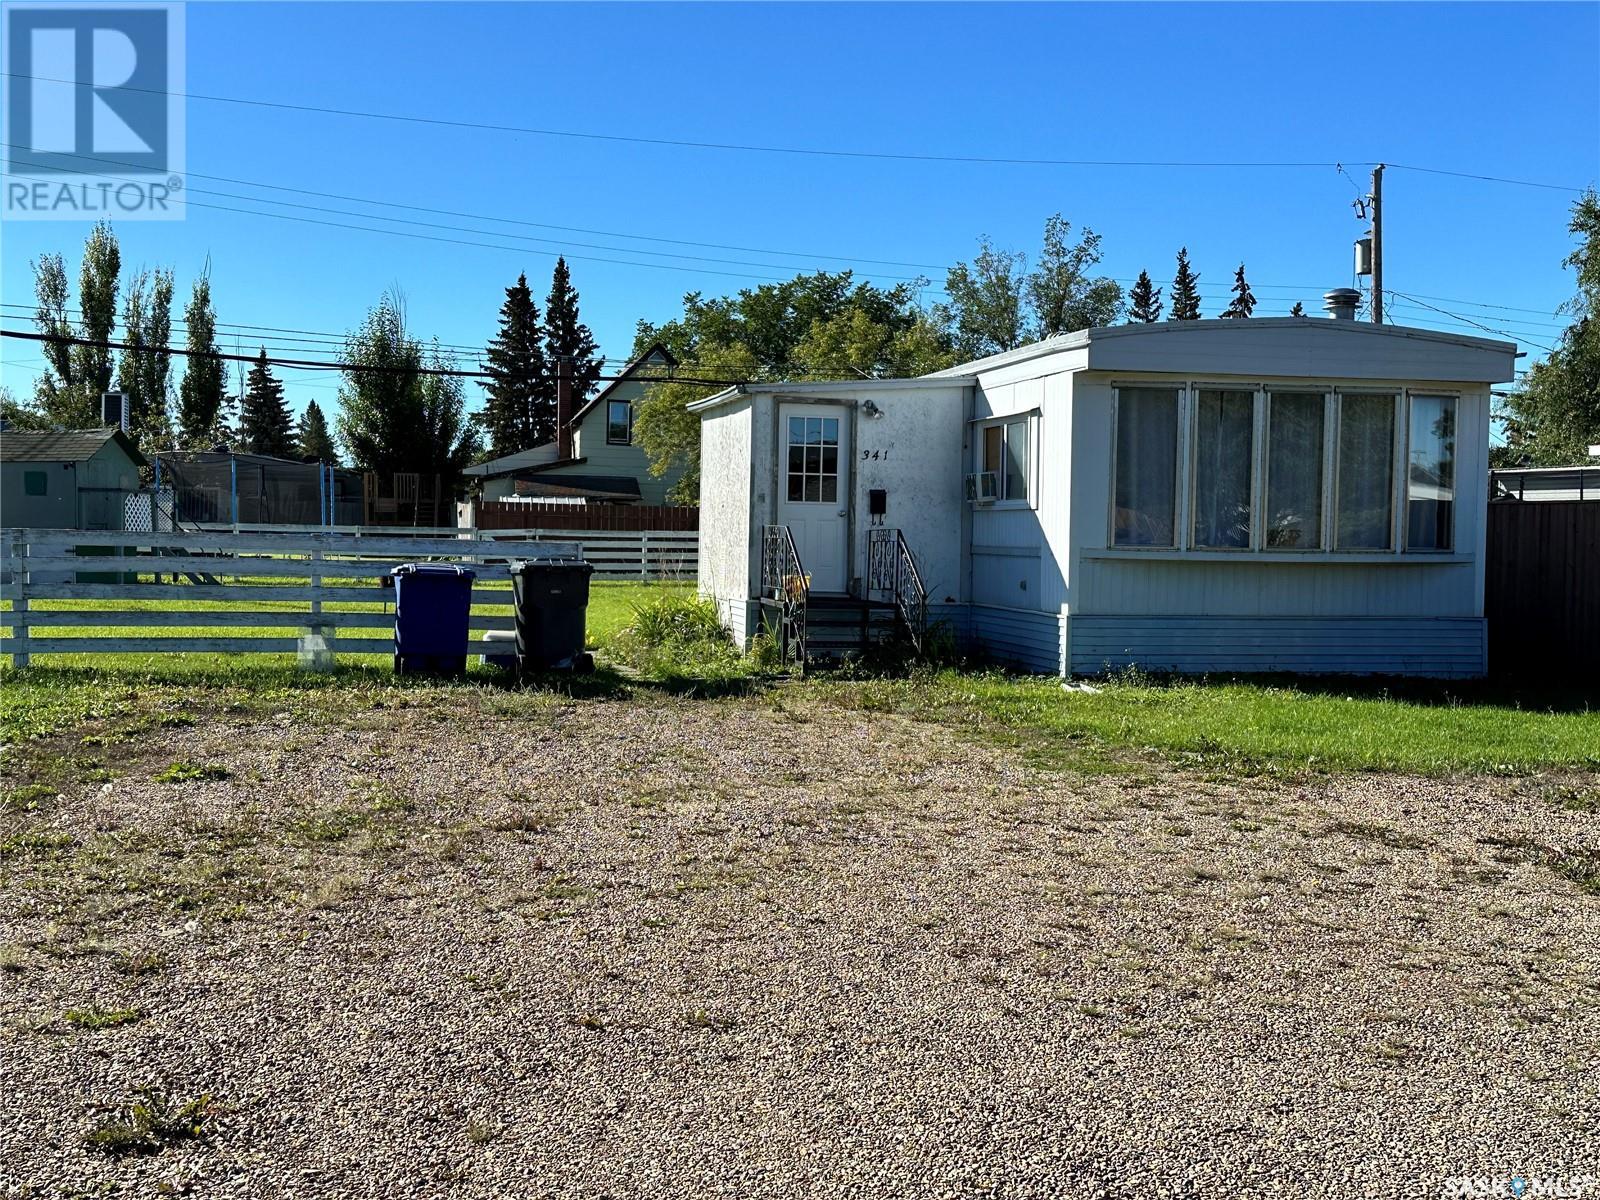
column 983, row 487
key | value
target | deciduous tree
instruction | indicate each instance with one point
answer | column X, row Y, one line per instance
column 68, row 394
column 1063, row 295
column 1554, row 416
column 201, row 396
column 143, row 371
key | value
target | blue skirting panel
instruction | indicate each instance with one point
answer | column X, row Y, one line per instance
column 1446, row 647
column 1031, row 641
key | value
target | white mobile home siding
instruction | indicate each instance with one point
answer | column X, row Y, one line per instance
column 727, row 481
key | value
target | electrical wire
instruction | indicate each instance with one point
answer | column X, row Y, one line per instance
column 314, row 364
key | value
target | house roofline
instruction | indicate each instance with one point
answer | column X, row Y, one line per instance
column 627, row 376
column 1081, row 338
column 824, row 386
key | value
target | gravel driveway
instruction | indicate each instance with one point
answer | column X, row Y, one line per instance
column 768, row 947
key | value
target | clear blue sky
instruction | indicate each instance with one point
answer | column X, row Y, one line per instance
column 1510, row 90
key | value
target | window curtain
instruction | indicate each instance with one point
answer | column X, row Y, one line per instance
column 1224, row 444
column 1294, row 471
column 1366, row 472
column 1146, row 467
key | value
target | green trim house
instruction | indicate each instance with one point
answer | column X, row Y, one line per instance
column 604, row 465
column 72, row 479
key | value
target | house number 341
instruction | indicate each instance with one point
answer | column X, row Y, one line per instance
column 873, row 454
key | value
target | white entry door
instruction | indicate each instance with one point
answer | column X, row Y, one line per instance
column 814, row 490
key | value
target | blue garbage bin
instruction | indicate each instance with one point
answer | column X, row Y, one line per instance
column 431, row 605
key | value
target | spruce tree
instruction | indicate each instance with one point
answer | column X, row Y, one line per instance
column 1299, row 310
column 315, row 442
column 520, row 411
column 1243, row 302
column 1144, row 301
column 566, row 337
column 200, row 395
column 264, row 423
column 1185, row 290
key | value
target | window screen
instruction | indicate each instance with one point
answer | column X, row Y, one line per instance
column 1146, row 467
column 1365, row 484
column 813, row 460
column 1223, row 464
column 1294, row 471
column 1431, row 473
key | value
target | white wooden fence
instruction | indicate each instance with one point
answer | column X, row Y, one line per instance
column 651, row 554
column 299, row 574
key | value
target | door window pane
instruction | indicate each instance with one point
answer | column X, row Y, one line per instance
column 1366, row 473
column 1016, row 460
column 1224, row 448
column 1431, row 473
column 813, row 474
column 1146, row 467
column 1294, row 471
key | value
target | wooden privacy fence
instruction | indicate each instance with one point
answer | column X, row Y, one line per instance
column 1542, row 587
column 521, row 514
column 309, row 594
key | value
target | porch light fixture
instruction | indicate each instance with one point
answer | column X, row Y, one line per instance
column 872, row 410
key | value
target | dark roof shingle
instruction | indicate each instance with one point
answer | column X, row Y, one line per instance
column 68, row 445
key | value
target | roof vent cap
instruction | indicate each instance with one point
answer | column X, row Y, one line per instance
column 1341, row 303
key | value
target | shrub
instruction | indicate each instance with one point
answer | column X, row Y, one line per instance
column 676, row 636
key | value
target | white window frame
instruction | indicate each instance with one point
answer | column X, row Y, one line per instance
column 1333, row 393
column 1402, row 506
column 1030, row 467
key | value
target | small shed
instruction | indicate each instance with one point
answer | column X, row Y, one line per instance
column 71, row 479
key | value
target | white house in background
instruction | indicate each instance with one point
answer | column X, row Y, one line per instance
column 596, row 461
column 1279, row 494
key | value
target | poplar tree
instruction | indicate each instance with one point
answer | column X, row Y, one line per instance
column 1185, row 290
column 200, row 395
column 265, row 426
column 520, row 409
column 1144, row 301
column 566, row 337
column 1243, row 302
column 143, row 371
column 68, row 394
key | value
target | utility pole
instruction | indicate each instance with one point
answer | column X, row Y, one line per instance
column 1377, row 244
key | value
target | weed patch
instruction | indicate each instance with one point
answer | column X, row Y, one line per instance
column 149, row 1122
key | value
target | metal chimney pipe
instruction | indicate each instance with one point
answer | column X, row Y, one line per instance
column 1341, row 303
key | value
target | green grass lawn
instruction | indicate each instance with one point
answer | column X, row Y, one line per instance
column 1251, row 725
column 1232, row 725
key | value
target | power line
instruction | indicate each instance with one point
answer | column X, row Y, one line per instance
column 315, row 364
column 1476, row 324
column 1554, row 187
column 493, row 127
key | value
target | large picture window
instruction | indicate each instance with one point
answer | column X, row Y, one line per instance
column 1146, row 469
column 1363, row 516
column 1294, row 470
column 1431, row 473
column 1224, row 465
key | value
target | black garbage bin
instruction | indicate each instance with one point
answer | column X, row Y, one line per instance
column 552, row 601
column 432, row 602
